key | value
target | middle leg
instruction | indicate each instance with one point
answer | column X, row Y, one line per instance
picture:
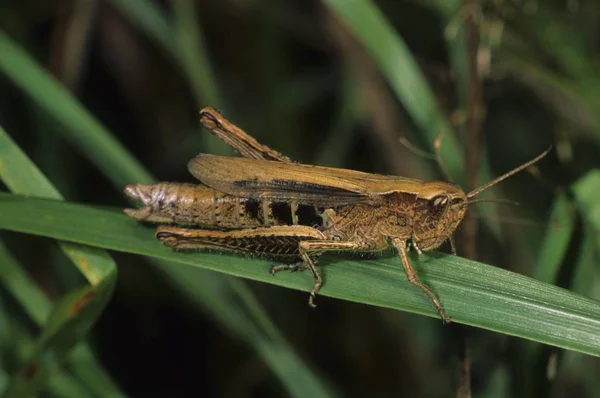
column 312, row 249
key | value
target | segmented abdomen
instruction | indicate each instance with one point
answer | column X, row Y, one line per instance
column 203, row 206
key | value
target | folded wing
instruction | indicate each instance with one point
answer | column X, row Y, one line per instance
column 304, row 184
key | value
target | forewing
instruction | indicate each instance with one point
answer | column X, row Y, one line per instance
column 305, row 184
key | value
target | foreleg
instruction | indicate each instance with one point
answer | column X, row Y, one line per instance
column 411, row 274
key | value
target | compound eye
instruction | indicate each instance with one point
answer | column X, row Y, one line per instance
column 437, row 205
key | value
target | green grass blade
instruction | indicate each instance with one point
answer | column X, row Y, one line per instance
column 16, row 280
column 182, row 40
column 82, row 362
column 62, row 326
column 390, row 53
column 62, row 384
column 587, row 191
column 192, row 55
column 3, row 381
column 399, row 67
column 587, row 265
column 149, row 18
column 454, row 15
column 571, row 100
column 119, row 166
column 72, row 317
column 548, row 265
column 108, row 155
column 562, row 41
column 196, row 64
column 556, row 241
column 473, row 293
column 21, row 176
column 86, row 367
column 267, row 340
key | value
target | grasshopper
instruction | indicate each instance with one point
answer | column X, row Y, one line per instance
column 264, row 203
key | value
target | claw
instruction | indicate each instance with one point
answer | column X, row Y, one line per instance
column 288, row 267
column 311, row 300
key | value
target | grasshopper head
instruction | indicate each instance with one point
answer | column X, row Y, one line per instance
column 439, row 208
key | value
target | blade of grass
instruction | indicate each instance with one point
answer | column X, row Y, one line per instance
column 61, row 331
column 583, row 280
column 497, row 385
column 191, row 53
column 472, row 293
column 547, row 268
column 587, row 264
column 556, row 241
column 453, row 12
column 35, row 303
column 586, row 191
column 70, row 321
column 3, row 381
column 570, row 100
column 62, row 384
column 108, row 155
column 182, row 40
column 401, row 70
column 16, row 280
column 149, row 18
column 246, row 320
column 566, row 43
column 193, row 59
column 340, row 139
column 21, row 176
column 397, row 64
column 84, row 364
column 23, row 342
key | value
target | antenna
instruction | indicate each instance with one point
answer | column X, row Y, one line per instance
column 503, row 201
column 503, row 177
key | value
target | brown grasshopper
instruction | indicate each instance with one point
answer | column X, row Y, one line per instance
column 266, row 204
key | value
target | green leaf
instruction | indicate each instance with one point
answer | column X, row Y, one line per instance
column 16, row 280
column 556, row 241
column 62, row 384
column 245, row 317
column 587, row 264
column 402, row 71
column 472, row 293
column 22, row 176
column 391, row 54
column 43, row 89
column 68, row 322
column 148, row 17
column 587, row 191
column 183, row 41
column 90, row 371
column 191, row 53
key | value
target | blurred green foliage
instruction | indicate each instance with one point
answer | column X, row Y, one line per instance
column 90, row 87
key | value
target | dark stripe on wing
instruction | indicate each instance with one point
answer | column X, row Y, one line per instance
column 307, row 193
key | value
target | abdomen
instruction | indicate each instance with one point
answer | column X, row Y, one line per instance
column 194, row 204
